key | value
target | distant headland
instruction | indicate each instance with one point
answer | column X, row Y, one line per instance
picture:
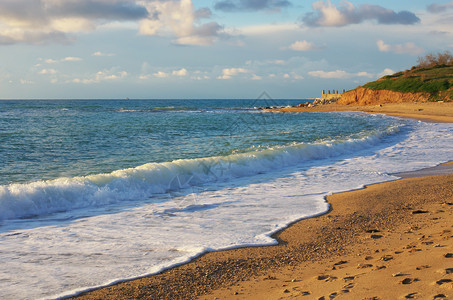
column 424, row 92
column 430, row 81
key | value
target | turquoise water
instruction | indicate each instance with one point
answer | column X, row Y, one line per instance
column 43, row 140
column 97, row 191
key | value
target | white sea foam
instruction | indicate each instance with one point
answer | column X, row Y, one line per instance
column 44, row 197
column 80, row 249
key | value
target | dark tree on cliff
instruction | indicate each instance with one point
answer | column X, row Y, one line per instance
column 439, row 59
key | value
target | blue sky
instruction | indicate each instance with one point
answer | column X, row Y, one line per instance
column 188, row 49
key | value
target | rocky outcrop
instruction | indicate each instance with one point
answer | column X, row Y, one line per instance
column 363, row 96
column 330, row 97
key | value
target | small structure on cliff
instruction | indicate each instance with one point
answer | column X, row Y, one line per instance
column 326, row 98
column 331, row 96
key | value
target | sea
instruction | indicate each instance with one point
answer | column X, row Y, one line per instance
column 94, row 192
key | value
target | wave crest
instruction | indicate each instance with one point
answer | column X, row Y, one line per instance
column 63, row 194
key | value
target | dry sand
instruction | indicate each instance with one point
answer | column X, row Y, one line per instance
column 388, row 241
column 391, row 240
column 427, row 111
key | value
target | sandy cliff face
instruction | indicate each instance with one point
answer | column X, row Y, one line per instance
column 362, row 96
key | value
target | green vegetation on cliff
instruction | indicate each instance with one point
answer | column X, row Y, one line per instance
column 430, row 76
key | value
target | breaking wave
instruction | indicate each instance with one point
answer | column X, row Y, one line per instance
column 64, row 194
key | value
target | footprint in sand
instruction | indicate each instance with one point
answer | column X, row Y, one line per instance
column 399, row 274
column 448, row 255
column 411, row 296
column 364, row 266
column 414, row 250
column 348, row 286
column 445, row 283
column 409, row 280
column 326, row 277
column 386, row 257
column 333, row 295
column 376, row 236
column 341, row 262
column 442, row 281
column 419, row 211
column 305, row 293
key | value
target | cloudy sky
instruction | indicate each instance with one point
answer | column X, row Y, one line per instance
column 163, row 49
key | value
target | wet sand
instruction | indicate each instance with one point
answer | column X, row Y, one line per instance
column 391, row 240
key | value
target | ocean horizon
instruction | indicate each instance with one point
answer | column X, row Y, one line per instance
column 93, row 192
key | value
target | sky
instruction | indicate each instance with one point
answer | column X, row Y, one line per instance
column 189, row 49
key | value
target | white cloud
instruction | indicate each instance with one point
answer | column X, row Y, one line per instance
column 277, row 62
column 382, row 46
column 181, row 19
column 228, row 73
column 440, row 8
column 268, row 29
column 65, row 59
column 71, row 58
column 204, row 77
column 180, row 73
column 106, row 75
column 71, row 25
column 47, row 71
column 99, row 53
column 406, row 48
column 251, row 5
column 26, row 82
column 364, row 74
column 160, row 74
column 386, row 71
column 338, row 74
column 330, row 15
column 269, row 62
column 297, row 76
column 302, row 46
column 50, row 61
column 44, row 21
column 256, row 77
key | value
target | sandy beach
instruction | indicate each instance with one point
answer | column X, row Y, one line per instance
column 391, row 240
column 426, row 111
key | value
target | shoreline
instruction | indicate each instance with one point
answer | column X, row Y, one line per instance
column 439, row 112
column 307, row 244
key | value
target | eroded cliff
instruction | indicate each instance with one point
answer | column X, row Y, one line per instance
column 364, row 96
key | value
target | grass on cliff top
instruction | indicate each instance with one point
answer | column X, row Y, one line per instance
column 430, row 80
